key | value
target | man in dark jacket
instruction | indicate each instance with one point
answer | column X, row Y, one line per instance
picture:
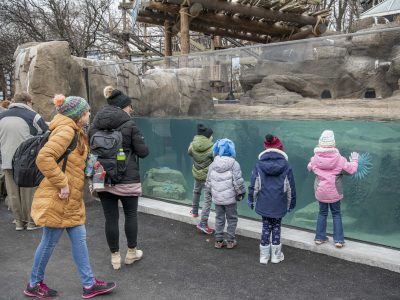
column 17, row 124
column 116, row 116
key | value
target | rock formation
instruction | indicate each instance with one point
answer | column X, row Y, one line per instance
column 164, row 183
column 46, row 69
column 361, row 66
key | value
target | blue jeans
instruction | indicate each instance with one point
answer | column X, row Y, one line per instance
column 50, row 237
column 338, row 235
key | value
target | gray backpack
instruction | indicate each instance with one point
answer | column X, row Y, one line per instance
column 106, row 144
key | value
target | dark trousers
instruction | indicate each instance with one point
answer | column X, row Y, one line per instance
column 111, row 213
column 271, row 229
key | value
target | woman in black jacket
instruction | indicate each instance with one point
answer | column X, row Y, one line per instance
column 116, row 115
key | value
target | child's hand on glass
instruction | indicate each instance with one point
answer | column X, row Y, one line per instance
column 354, row 156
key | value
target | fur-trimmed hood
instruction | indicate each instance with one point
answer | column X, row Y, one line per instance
column 273, row 161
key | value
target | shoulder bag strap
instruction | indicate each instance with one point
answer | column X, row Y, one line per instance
column 70, row 148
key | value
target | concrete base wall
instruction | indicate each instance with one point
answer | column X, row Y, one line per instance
column 353, row 251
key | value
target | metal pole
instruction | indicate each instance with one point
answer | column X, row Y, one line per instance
column 231, row 73
column 86, row 75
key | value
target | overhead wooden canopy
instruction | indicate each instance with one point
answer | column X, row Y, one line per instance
column 259, row 21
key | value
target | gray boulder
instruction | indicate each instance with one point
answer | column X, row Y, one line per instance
column 164, row 183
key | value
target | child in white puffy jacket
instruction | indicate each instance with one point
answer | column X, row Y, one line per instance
column 225, row 185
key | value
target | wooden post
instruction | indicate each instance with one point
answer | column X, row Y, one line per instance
column 185, row 42
column 167, row 42
column 125, row 33
column 184, row 12
column 194, row 12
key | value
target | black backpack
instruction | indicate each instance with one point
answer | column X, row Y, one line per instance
column 25, row 170
column 105, row 144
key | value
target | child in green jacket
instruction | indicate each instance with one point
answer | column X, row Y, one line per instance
column 200, row 150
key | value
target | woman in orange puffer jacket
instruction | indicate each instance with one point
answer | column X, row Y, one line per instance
column 58, row 202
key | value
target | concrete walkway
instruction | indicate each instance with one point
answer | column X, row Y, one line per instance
column 181, row 263
column 359, row 252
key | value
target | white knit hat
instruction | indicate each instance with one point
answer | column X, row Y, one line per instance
column 327, row 139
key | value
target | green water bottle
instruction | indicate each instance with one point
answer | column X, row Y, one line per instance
column 121, row 155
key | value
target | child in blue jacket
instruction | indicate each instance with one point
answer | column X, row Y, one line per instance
column 273, row 189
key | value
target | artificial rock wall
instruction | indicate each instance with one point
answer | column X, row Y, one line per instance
column 46, row 69
column 347, row 67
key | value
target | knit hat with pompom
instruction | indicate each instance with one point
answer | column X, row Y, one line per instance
column 108, row 91
column 73, row 106
column 271, row 141
column 119, row 99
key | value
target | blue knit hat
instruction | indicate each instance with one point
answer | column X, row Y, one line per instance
column 72, row 106
column 224, row 147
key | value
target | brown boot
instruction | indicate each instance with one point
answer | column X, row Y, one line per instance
column 133, row 255
column 116, row 260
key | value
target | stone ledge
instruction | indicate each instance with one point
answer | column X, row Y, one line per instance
column 357, row 252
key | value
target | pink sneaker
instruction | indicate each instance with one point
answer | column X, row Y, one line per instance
column 40, row 290
column 205, row 228
column 194, row 214
column 99, row 287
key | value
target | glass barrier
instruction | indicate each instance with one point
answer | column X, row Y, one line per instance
column 295, row 90
column 370, row 208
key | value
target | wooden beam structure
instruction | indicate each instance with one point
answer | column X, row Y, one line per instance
column 152, row 18
column 221, row 20
column 259, row 12
column 255, row 21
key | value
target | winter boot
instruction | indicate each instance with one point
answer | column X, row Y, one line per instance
column 116, row 260
column 276, row 254
column 133, row 255
column 265, row 254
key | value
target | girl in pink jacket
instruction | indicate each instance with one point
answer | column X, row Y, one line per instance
column 329, row 167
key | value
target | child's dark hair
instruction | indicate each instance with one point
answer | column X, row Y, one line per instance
column 269, row 138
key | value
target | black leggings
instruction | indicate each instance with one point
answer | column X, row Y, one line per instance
column 111, row 213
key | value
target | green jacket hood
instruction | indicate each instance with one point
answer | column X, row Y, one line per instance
column 201, row 143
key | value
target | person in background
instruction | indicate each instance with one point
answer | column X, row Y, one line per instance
column 5, row 104
column 58, row 203
column 17, row 124
column 273, row 189
column 3, row 193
